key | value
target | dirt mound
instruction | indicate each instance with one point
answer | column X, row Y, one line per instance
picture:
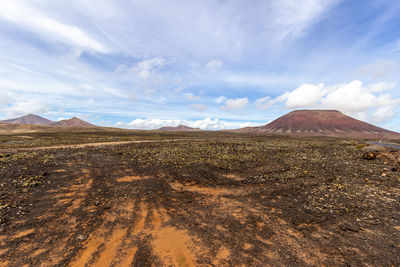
column 322, row 123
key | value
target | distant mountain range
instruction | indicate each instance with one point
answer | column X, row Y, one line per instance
column 181, row 128
column 321, row 123
column 33, row 119
column 330, row 123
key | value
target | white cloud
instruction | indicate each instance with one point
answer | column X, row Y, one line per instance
column 177, row 90
column 379, row 69
column 235, row 104
column 204, row 124
column 148, row 123
column 364, row 102
column 22, row 13
column 306, row 95
column 192, row 97
column 216, row 124
column 26, row 107
column 144, row 69
column 292, row 17
column 353, row 97
column 384, row 114
column 266, row 102
column 380, row 87
column 220, row 99
column 5, row 98
column 214, row 64
column 199, row 107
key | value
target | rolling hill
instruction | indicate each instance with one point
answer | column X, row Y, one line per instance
column 73, row 122
column 30, row 119
column 33, row 123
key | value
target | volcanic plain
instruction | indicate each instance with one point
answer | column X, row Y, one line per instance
column 197, row 199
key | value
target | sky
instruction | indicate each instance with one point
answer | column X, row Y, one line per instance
column 211, row 64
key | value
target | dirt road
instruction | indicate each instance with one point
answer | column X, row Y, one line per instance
column 94, row 144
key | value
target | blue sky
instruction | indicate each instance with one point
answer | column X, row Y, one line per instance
column 208, row 64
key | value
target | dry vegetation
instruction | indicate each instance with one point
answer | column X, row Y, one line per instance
column 219, row 200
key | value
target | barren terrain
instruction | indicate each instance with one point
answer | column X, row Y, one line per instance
column 212, row 201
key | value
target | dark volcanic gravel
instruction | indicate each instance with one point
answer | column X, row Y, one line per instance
column 222, row 202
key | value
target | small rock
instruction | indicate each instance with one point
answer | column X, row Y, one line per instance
column 81, row 237
column 369, row 156
column 383, row 174
column 394, row 169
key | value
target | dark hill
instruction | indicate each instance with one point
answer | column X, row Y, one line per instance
column 179, row 128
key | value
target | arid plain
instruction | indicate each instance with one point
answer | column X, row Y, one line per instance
column 196, row 199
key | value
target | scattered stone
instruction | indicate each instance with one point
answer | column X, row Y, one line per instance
column 81, row 238
column 394, row 169
column 369, row 156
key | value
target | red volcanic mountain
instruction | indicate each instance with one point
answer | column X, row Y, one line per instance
column 73, row 122
column 321, row 123
column 30, row 119
column 180, row 128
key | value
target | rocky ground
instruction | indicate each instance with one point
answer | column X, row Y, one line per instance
column 218, row 202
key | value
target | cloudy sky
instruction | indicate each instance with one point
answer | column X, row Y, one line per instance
column 208, row 64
